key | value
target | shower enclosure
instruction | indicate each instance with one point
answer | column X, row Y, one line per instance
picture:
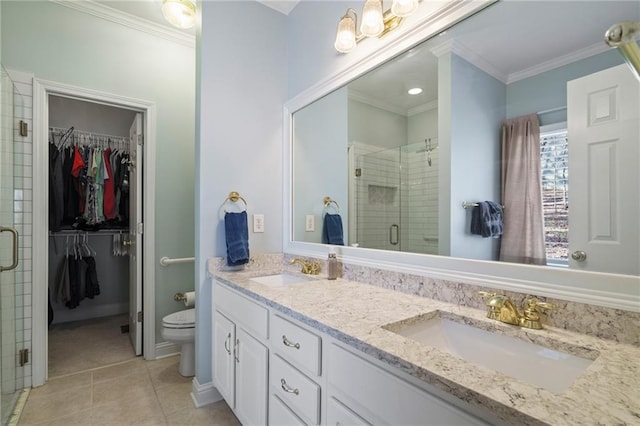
column 11, row 326
column 394, row 197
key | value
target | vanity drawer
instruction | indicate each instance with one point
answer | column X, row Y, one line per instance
column 295, row 389
column 380, row 397
column 281, row 415
column 297, row 345
column 254, row 318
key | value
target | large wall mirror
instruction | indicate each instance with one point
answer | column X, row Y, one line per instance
column 405, row 171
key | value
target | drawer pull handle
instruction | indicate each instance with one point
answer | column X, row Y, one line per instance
column 226, row 344
column 236, row 351
column 286, row 342
column 287, row 389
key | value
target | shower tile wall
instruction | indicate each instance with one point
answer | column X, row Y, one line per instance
column 397, row 187
column 378, row 194
column 23, row 218
column 420, row 201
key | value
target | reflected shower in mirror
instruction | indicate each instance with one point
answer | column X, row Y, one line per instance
column 408, row 169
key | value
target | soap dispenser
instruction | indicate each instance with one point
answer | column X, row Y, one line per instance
column 332, row 266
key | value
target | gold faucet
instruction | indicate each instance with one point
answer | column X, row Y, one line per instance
column 310, row 267
column 501, row 308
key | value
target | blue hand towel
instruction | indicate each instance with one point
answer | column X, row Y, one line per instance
column 237, row 235
column 332, row 230
column 486, row 219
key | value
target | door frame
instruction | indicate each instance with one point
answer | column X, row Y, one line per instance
column 41, row 91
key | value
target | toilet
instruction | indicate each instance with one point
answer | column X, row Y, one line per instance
column 179, row 328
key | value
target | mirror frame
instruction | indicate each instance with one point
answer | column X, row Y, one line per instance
column 594, row 288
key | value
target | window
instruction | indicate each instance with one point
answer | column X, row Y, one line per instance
column 555, row 193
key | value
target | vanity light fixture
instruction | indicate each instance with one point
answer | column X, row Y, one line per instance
column 179, row 13
column 375, row 23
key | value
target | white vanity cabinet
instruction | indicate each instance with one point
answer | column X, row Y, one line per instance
column 240, row 357
column 361, row 393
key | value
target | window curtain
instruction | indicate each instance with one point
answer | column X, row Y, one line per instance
column 523, row 234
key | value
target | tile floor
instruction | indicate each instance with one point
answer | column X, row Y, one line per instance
column 83, row 345
column 134, row 392
column 95, row 379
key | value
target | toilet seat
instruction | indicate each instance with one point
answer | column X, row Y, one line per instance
column 180, row 319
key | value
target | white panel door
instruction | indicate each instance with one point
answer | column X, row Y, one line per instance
column 252, row 359
column 604, row 157
column 224, row 336
column 135, row 234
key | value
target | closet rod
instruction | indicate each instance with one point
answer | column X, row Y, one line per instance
column 90, row 134
column 68, row 233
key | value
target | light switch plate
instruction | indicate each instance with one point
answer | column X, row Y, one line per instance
column 258, row 223
column 310, row 223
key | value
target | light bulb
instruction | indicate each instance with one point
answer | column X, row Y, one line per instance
column 372, row 23
column 179, row 13
column 403, row 8
column 414, row 91
column 346, row 35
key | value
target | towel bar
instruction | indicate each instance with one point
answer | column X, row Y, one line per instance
column 466, row 205
column 234, row 197
column 328, row 201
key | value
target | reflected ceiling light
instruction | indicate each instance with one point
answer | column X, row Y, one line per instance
column 179, row 13
column 414, row 91
column 375, row 23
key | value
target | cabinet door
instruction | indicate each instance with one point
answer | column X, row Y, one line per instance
column 252, row 359
column 281, row 415
column 224, row 337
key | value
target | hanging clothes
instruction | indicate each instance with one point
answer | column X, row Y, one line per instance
column 88, row 183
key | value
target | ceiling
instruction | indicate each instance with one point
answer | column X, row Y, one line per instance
column 510, row 40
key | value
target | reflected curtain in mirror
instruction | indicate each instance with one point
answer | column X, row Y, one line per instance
column 523, row 236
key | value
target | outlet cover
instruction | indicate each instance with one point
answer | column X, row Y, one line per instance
column 258, row 223
column 310, row 223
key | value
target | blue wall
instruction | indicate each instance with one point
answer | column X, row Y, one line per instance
column 549, row 90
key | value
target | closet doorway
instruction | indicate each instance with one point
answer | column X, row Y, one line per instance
column 90, row 311
column 93, row 259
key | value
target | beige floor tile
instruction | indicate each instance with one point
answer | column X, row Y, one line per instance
column 175, row 398
column 137, row 408
column 123, row 388
column 163, row 362
column 81, row 418
column 134, row 366
column 167, row 375
column 42, row 406
column 61, row 384
column 218, row 414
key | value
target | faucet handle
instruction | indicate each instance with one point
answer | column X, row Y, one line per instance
column 494, row 303
column 531, row 317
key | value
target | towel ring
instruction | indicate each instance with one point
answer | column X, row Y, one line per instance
column 327, row 203
column 234, row 197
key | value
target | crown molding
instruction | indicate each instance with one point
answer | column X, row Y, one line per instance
column 360, row 97
column 107, row 13
column 428, row 106
column 451, row 46
column 560, row 61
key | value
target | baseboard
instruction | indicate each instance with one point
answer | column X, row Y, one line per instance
column 89, row 312
column 165, row 349
column 204, row 394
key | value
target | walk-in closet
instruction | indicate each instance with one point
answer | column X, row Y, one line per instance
column 92, row 257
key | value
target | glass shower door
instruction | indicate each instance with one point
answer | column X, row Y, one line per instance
column 8, row 249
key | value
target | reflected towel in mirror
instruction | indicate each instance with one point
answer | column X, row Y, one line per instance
column 237, row 237
column 486, row 219
column 332, row 230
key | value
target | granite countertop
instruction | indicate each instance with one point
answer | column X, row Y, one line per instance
column 606, row 393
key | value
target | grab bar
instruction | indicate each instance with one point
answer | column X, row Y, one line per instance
column 166, row 261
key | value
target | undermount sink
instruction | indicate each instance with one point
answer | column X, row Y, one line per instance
column 283, row 279
column 528, row 362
